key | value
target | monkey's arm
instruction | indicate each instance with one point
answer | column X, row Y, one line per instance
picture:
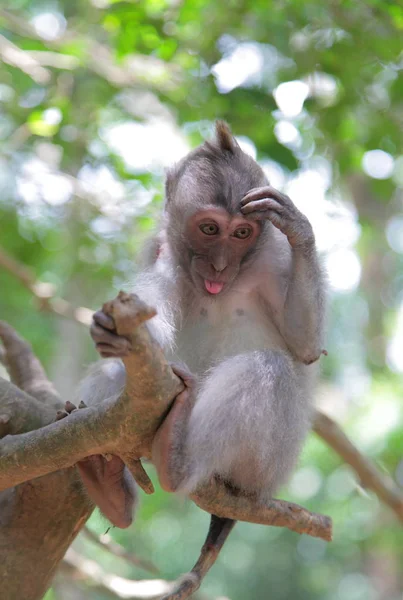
column 302, row 319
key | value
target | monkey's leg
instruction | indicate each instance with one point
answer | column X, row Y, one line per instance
column 218, row 533
column 107, row 481
column 168, row 445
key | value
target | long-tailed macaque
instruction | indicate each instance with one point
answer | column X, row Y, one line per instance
column 239, row 292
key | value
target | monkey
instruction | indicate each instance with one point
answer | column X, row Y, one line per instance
column 240, row 296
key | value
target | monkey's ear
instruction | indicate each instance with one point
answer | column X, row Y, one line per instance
column 225, row 139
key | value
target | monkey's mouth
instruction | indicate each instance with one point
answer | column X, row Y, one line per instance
column 213, row 287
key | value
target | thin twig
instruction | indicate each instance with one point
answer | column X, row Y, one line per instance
column 138, row 69
column 106, row 542
column 44, row 292
column 380, row 483
column 16, row 57
column 119, row 586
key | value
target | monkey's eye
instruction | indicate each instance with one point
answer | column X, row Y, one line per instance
column 242, row 233
column 209, row 228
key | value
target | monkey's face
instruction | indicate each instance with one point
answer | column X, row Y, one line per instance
column 217, row 245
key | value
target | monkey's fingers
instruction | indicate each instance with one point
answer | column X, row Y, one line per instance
column 108, row 351
column 270, row 215
column 266, row 192
column 262, row 205
column 218, row 533
column 109, row 342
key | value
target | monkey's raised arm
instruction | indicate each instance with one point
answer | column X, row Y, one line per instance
column 301, row 322
column 304, row 309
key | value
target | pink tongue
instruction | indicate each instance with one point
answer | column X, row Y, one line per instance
column 213, row 287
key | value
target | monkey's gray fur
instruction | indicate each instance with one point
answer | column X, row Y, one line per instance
column 252, row 347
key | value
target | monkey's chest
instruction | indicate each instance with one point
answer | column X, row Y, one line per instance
column 215, row 334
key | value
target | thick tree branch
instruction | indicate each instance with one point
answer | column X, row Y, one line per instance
column 383, row 485
column 128, row 423
column 34, row 515
column 39, row 521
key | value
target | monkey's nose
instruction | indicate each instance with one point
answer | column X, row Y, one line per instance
column 219, row 265
column 215, row 270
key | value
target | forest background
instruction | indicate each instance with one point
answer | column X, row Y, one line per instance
column 97, row 98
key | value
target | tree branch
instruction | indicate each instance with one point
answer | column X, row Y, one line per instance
column 382, row 484
column 118, row 586
column 25, row 370
column 44, row 292
column 216, row 499
column 38, row 505
column 21, row 413
column 138, row 69
column 14, row 56
column 129, row 424
column 107, row 543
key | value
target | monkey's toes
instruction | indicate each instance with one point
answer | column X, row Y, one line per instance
column 70, row 407
column 61, row 414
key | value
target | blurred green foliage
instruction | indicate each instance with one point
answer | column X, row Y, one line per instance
column 96, row 97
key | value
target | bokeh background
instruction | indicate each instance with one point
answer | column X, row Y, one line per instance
column 97, row 97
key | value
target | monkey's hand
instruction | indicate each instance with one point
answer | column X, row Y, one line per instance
column 268, row 203
column 107, row 342
column 108, row 482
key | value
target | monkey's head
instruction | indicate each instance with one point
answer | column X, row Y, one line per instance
column 211, row 239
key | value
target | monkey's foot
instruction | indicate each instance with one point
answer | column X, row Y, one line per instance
column 219, row 530
column 107, row 482
column 69, row 408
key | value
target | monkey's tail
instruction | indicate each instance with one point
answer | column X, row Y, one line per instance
column 218, row 532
